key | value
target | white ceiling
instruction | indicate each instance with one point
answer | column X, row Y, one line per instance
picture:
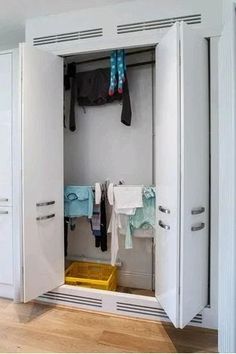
column 13, row 14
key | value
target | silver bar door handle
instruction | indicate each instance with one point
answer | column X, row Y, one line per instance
column 45, row 203
column 197, row 211
column 46, row 217
column 164, row 210
column 4, row 212
column 164, row 226
column 198, row 227
column 4, row 199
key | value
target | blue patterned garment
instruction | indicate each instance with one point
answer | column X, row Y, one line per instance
column 78, row 201
column 118, row 69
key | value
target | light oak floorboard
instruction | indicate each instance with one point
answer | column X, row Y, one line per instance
column 35, row 327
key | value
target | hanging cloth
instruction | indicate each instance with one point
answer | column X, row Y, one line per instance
column 91, row 88
column 70, row 84
column 118, row 70
column 78, row 201
column 99, row 225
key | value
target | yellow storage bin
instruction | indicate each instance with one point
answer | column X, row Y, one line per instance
column 92, row 275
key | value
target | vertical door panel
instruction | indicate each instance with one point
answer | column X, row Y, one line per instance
column 194, row 174
column 5, row 130
column 182, row 173
column 42, row 160
column 6, row 256
column 167, row 172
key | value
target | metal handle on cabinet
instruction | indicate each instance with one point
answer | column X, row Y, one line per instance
column 45, row 203
column 164, row 210
column 164, row 226
column 4, row 199
column 198, row 227
column 46, row 217
column 197, row 211
column 4, row 212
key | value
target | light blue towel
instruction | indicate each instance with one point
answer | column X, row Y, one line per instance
column 144, row 218
column 78, row 201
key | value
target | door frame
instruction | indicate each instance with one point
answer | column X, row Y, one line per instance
column 227, row 181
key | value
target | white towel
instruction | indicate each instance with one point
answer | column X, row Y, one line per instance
column 98, row 193
column 110, row 193
column 128, row 198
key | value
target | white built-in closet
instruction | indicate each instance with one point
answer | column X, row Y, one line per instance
column 6, row 194
column 181, row 125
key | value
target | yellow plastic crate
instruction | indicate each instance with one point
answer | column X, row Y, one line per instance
column 92, row 275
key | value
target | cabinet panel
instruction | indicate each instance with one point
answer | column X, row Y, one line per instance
column 167, row 172
column 6, row 256
column 42, row 145
column 182, row 173
column 5, row 130
column 194, row 174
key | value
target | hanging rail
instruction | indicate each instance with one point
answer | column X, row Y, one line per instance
column 127, row 54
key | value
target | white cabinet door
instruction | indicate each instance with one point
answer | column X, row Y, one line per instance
column 6, row 256
column 182, row 173
column 194, row 238
column 42, row 160
column 5, row 129
column 167, row 172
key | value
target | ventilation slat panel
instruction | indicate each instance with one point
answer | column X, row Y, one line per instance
column 148, row 311
column 140, row 309
column 157, row 24
column 67, row 37
column 81, row 298
column 132, row 309
column 72, row 299
column 143, row 313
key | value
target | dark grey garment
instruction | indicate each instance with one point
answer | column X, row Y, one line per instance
column 92, row 89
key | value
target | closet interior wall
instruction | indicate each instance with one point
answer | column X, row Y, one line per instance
column 103, row 148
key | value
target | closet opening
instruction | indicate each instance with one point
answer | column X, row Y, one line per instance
column 107, row 145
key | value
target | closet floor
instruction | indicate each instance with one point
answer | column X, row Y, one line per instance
column 144, row 292
column 35, row 327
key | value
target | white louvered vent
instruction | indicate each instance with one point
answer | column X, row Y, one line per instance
column 140, row 309
column 72, row 299
column 157, row 24
column 197, row 318
column 67, row 37
column 149, row 311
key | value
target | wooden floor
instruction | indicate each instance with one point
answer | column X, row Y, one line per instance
column 40, row 328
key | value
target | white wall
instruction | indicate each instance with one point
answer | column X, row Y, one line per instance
column 103, row 147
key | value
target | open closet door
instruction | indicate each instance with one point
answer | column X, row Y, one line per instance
column 194, row 240
column 42, row 170
column 167, row 129
column 182, row 173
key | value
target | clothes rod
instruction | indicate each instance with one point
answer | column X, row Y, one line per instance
column 139, row 64
column 108, row 57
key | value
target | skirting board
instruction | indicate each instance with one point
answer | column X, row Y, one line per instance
column 6, row 291
column 115, row 303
